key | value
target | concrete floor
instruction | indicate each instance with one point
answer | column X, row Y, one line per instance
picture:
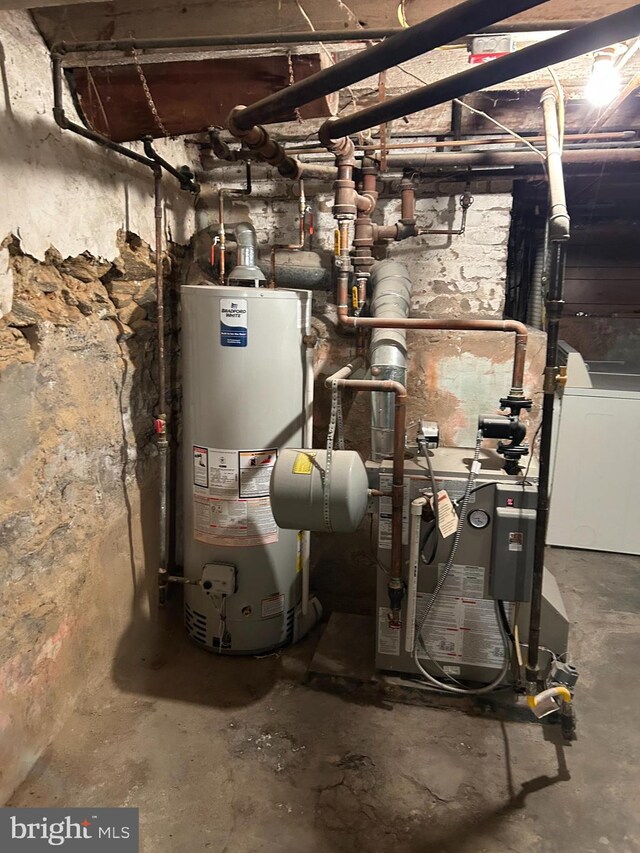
column 238, row 755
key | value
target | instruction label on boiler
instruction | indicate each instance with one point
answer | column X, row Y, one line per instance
column 461, row 627
column 233, row 322
column 388, row 637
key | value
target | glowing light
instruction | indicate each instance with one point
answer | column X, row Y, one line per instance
column 604, row 83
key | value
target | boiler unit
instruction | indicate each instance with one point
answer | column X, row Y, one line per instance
column 248, row 391
column 458, row 619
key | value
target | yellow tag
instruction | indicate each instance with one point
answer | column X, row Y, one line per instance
column 354, row 296
column 303, row 463
column 336, row 242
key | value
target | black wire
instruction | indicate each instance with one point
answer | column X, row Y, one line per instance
column 427, row 535
column 505, row 621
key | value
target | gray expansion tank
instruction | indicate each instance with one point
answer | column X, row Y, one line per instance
column 247, row 393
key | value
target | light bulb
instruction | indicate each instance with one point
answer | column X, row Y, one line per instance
column 604, row 83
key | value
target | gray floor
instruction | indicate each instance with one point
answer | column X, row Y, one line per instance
column 240, row 755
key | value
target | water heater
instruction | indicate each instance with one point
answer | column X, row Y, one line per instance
column 247, row 393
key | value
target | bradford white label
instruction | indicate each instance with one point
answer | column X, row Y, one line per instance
column 233, row 322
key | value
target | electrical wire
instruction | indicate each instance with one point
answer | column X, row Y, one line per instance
column 533, row 444
column 501, row 126
column 505, row 621
column 480, row 113
column 434, row 503
column 487, row 688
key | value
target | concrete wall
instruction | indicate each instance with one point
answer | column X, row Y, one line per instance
column 78, row 387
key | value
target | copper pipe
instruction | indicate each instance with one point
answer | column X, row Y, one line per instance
column 407, row 201
column 471, row 325
column 397, row 488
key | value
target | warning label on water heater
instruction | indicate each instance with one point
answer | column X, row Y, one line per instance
column 233, row 322
column 231, row 504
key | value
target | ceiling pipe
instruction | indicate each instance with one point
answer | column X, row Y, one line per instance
column 478, row 159
column 609, row 30
column 305, row 37
column 436, row 31
column 153, row 160
column 613, row 136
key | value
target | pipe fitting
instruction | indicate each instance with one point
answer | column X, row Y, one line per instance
column 345, row 199
column 258, row 140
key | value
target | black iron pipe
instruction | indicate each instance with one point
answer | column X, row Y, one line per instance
column 63, row 122
column 559, row 223
column 443, row 28
column 153, row 161
column 554, row 304
column 609, row 30
column 184, row 175
column 306, row 37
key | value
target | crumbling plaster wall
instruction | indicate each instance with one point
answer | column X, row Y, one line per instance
column 78, row 389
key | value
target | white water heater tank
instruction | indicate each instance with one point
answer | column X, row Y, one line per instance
column 247, row 393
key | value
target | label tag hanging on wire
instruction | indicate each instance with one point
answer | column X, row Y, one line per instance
column 447, row 516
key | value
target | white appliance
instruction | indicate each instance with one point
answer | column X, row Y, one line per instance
column 594, row 494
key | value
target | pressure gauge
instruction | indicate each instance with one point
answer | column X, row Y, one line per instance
column 478, row 518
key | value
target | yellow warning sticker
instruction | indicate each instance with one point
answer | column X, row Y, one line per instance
column 303, row 463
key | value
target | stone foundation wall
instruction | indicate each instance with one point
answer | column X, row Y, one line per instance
column 78, row 481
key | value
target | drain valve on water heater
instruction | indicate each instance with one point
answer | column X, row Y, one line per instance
column 303, row 497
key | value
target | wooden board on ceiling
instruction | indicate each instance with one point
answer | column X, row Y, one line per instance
column 168, row 18
column 188, row 96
